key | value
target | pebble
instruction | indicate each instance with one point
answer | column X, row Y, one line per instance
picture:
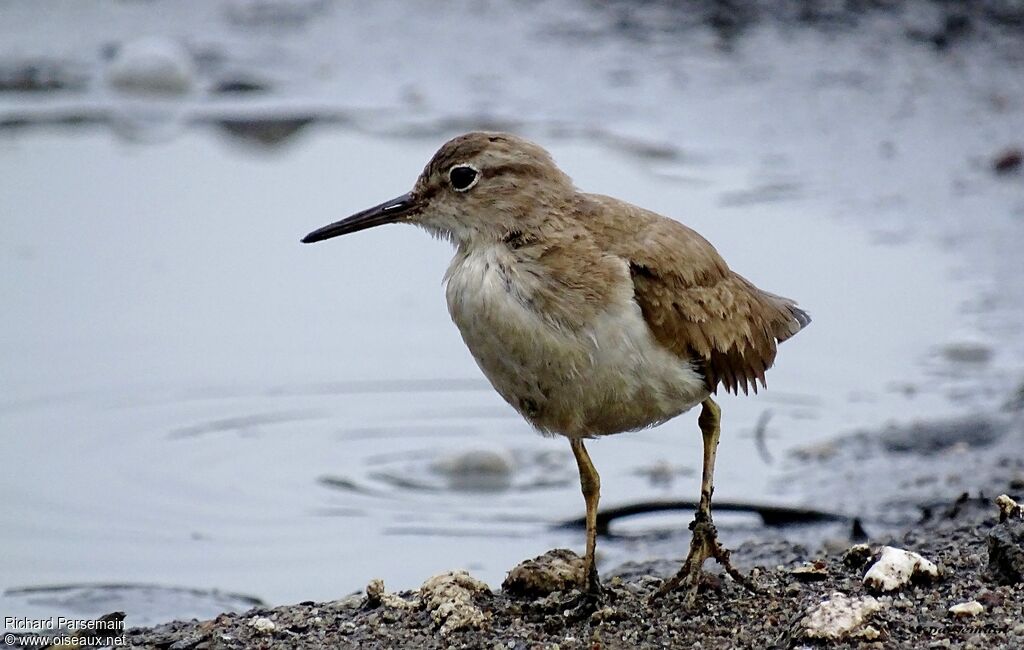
column 966, row 609
column 841, row 617
column 857, row 556
column 896, row 568
column 1006, row 551
column 262, row 624
column 377, row 595
column 810, row 572
column 1008, row 508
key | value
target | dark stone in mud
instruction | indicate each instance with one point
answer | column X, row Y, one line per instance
column 1006, row 552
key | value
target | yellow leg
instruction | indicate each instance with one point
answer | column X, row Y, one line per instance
column 704, row 543
column 590, row 482
column 710, row 422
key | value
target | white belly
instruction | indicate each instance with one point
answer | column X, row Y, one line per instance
column 606, row 377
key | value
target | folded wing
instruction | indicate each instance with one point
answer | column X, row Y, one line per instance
column 697, row 307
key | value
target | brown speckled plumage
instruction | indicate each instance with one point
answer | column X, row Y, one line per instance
column 694, row 304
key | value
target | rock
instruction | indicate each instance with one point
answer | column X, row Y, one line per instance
column 374, row 592
column 377, row 595
column 186, row 643
column 810, row 572
column 990, row 599
column 152, row 65
column 1008, row 508
column 967, row 609
column 841, row 617
column 857, row 556
column 262, row 624
column 896, row 568
column 1006, row 551
column 449, row 599
column 557, row 570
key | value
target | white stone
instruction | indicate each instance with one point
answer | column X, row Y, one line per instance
column 841, row 617
column 375, row 591
column 1008, row 508
column 449, row 599
column 896, row 568
column 262, row 624
column 969, row 608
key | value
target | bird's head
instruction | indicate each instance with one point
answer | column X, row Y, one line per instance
column 478, row 187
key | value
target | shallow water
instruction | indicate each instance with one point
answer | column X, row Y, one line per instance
column 192, row 398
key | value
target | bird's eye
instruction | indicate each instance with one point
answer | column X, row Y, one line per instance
column 463, row 177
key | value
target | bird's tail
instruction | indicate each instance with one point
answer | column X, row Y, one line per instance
column 793, row 319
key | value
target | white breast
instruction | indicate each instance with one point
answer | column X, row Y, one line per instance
column 606, row 377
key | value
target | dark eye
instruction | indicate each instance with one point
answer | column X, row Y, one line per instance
column 463, row 177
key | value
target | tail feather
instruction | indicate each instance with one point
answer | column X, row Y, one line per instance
column 794, row 319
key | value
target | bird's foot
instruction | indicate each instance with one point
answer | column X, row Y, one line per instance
column 703, row 546
column 585, row 602
column 591, row 587
column 590, row 581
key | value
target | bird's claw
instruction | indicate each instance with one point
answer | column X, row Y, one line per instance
column 703, row 546
column 584, row 603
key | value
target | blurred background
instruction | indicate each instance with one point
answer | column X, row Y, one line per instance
column 197, row 412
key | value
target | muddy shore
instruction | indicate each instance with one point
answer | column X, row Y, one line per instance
column 960, row 541
column 979, row 562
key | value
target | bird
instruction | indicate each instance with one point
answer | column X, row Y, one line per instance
column 589, row 315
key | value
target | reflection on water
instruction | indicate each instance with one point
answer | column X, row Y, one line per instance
column 192, row 398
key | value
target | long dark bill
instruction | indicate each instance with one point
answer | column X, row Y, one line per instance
column 387, row 212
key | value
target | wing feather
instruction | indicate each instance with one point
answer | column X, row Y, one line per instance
column 694, row 304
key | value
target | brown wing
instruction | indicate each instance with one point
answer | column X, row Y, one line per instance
column 696, row 306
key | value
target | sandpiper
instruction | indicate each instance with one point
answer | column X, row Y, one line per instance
column 590, row 316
